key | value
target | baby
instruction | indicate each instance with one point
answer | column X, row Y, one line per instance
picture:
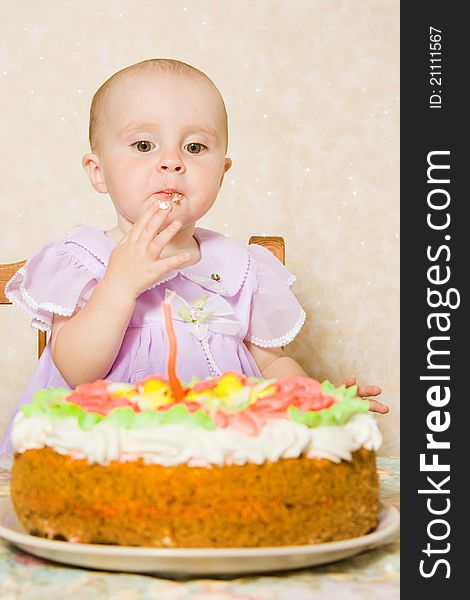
column 158, row 137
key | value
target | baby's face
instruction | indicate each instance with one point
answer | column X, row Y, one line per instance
column 163, row 132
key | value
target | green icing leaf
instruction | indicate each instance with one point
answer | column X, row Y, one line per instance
column 51, row 394
column 51, row 402
column 88, row 420
column 147, row 418
column 179, row 414
column 61, row 410
column 336, row 414
column 64, row 409
column 42, row 399
column 28, row 410
column 339, row 393
column 122, row 417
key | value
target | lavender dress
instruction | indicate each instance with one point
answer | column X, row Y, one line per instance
column 232, row 294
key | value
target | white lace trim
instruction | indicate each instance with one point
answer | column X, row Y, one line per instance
column 40, row 324
column 86, row 261
column 63, row 311
column 163, row 281
column 283, row 340
column 206, row 281
column 88, row 249
column 37, row 322
column 213, row 368
column 245, row 273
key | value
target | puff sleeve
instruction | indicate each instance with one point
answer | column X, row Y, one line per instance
column 276, row 315
column 52, row 280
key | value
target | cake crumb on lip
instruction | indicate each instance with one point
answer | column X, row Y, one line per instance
column 176, row 198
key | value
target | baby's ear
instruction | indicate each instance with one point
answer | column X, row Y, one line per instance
column 227, row 165
column 92, row 165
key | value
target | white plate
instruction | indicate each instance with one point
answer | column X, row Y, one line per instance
column 194, row 561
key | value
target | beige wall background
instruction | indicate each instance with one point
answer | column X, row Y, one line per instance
column 312, row 93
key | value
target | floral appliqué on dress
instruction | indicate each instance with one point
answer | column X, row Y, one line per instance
column 207, row 314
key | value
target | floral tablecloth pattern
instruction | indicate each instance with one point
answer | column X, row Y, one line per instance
column 373, row 575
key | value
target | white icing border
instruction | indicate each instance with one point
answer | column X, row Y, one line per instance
column 173, row 444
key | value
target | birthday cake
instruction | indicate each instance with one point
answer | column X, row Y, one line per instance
column 234, row 462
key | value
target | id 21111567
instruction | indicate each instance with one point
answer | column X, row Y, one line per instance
column 435, row 67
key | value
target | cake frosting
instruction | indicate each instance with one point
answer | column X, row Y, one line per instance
column 229, row 420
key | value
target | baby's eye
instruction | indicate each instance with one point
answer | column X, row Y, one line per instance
column 143, row 145
column 194, row 147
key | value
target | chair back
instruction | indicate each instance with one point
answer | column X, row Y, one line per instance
column 274, row 244
column 6, row 273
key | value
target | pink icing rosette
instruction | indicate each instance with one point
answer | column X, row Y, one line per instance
column 202, row 386
column 302, row 392
column 94, row 397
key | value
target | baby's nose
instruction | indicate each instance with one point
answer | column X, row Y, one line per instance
column 171, row 163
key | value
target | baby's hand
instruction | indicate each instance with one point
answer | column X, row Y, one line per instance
column 135, row 264
column 365, row 391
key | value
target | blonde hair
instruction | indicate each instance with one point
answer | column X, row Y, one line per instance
column 153, row 65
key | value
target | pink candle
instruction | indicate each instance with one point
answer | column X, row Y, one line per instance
column 175, row 383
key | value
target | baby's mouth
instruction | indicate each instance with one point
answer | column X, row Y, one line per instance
column 171, row 197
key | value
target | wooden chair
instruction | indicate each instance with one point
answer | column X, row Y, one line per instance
column 6, row 273
column 273, row 243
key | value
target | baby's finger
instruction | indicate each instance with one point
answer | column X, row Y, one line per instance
column 368, row 390
column 347, row 382
column 154, row 227
column 378, row 407
column 159, row 240
column 142, row 222
column 173, row 262
column 124, row 238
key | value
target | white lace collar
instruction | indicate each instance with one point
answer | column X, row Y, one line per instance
column 222, row 268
